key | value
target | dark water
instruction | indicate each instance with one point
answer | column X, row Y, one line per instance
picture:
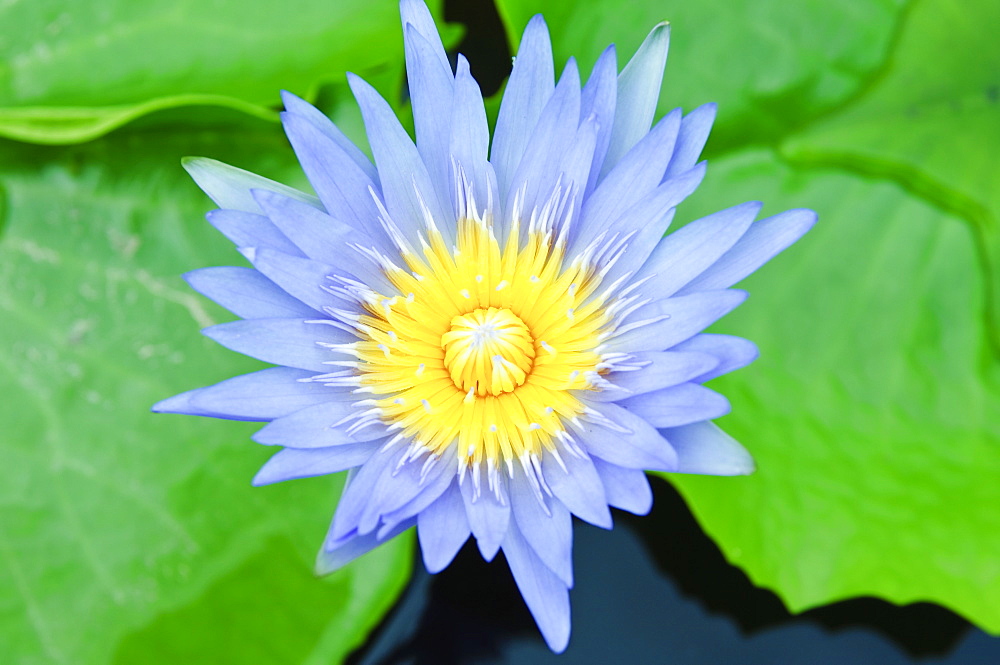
column 657, row 590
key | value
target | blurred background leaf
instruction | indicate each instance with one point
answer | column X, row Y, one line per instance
column 70, row 72
column 128, row 534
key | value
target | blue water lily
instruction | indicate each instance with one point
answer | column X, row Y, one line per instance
column 491, row 337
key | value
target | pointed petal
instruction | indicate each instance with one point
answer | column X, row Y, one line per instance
column 302, row 279
column 317, row 235
column 442, row 529
column 400, row 485
column 665, row 369
column 626, row 489
column 677, row 405
column 635, row 176
column 547, row 529
column 578, row 487
column 361, row 486
column 760, row 244
column 551, row 138
column 488, row 518
column 686, row 315
column 695, row 128
column 638, row 446
column 313, row 427
column 317, row 119
column 292, row 463
column 432, row 89
column 544, row 593
column 247, row 293
column 264, row 395
column 686, row 253
column 230, row 187
column 400, row 168
column 343, row 186
column 598, row 99
column 290, row 342
column 704, row 448
column 731, row 352
column 470, row 133
column 528, row 90
column 348, row 549
column 638, row 93
column 246, row 229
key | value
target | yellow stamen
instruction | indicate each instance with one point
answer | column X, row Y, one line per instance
column 487, row 347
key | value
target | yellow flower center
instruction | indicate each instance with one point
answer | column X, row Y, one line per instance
column 484, row 344
column 490, row 350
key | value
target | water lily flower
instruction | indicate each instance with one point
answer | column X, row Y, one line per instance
column 489, row 336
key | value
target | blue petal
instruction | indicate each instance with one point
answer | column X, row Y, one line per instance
column 292, row 463
column 432, row 88
column 318, row 235
column 442, row 529
column 645, row 222
column 695, row 128
column 344, row 187
column 488, row 517
column 544, row 593
column 313, row 427
column 576, row 162
column 230, row 187
column 400, row 168
column 399, row 486
column 416, row 13
column 246, row 229
column 348, row 549
column 731, row 352
column 633, row 178
column 290, row 342
column 548, row 529
column 470, row 133
column 686, row 315
column 578, row 487
column 635, row 444
column 598, row 99
column 627, row 489
column 360, row 488
column 759, row 245
column 434, row 485
column 298, row 277
column 247, row 293
column 638, row 93
column 317, row 119
column 678, row 405
column 686, row 253
column 665, row 368
column 528, row 90
column 551, row 138
column 264, row 395
column 704, row 448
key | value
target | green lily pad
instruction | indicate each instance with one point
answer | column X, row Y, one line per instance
column 72, row 72
column 129, row 536
column 873, row 411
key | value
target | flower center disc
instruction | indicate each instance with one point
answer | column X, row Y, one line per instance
column 488, row 350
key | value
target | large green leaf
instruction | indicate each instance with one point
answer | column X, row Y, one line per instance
column 770, row 65
column 72, row 71
column 127, row 535
column 874, row 412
